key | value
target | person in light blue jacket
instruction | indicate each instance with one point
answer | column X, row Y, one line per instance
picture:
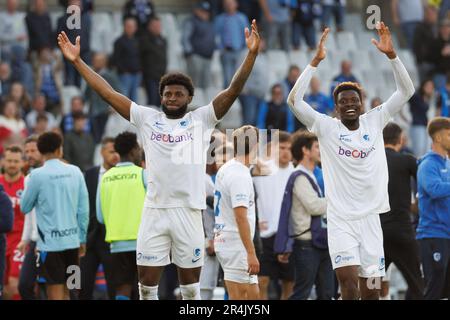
column 58, row 193
column 433, row 231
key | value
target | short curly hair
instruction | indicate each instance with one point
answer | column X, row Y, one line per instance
column 344, row 86
column 176, row 78
column 49, row 142
column 125, row 142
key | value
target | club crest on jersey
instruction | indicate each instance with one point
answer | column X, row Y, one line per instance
column 366, row 137
column 184, row 123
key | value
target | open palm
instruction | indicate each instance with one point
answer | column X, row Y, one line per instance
column 71, row 52
column 252, row 39
column 385, row 43
column 321, row 52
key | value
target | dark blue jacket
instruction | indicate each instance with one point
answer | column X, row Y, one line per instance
column 433, row 180
column 6, row 225
column 284, row 239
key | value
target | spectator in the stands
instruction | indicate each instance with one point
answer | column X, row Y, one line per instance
column 13, row 30
column 127, row 59
column 407, row 14
column 67, row 122
column 375, row 102
column 424, row 37
column 441, row 54
column 153, row 59
column 12, row 128
column 79, row 146
column 141, row 10
column 444, row 9
column 99, row 110
column 72, row 77
column 5, row 79
column 256, row 87
column 334, row 8
column 419, row 105
column 21, row 70
column 277, row 23
column 39, row 107
column 229, row 28
column 49, row 79
column 41, row 125
column 21, row 97
column 289, row 82
column 198, row 44
column 318, row 100
column 39, row 27
column 345, row 75
column 303, row 23
column 275, row 114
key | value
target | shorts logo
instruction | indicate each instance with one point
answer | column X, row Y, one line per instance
column 340, row 259
column 382, row 262
column 197, row 255
column 141, row 256
column 437, row 256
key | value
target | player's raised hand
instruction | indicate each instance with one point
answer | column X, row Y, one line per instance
column 252, row 38
column 71, row 52
column 321, row 52
column 385, row 44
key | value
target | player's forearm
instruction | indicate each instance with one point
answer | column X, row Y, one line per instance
column 244, row 233
column 405, row 87
column 94, row 80
column 242, row 74
column 223, row 102
column 301, row 85
column 120, row 103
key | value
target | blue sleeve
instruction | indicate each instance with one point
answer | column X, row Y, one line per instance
column 290, row 121
column 83, row 208
column 218, row 26
column 188, row 29
column 98, row 205
column 429, row 177
column 330, row 105
column 6, row 213
column 263, row 108
column 30, row 194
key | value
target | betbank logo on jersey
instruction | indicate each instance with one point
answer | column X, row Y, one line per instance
column 355, row 154
column 169, row 138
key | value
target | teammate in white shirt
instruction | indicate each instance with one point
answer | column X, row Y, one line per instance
column 234, row 208
column 270, row 191
column 171, row 221
column 355, row 170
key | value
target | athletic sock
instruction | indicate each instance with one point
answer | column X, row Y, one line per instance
column 190, row 291
column 148, row 293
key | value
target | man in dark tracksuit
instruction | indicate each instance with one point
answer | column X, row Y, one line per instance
column 400, row 246
column 6, row 224
column 97, row 250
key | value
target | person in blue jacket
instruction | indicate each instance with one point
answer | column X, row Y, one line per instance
column 59, row 195
column 6, row 224
column 433, row 231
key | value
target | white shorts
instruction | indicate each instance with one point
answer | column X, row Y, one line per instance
column 357, row 243
column 232, row 257
column 175, row 231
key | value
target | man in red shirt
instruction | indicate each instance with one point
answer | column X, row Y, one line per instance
column 13, row 183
